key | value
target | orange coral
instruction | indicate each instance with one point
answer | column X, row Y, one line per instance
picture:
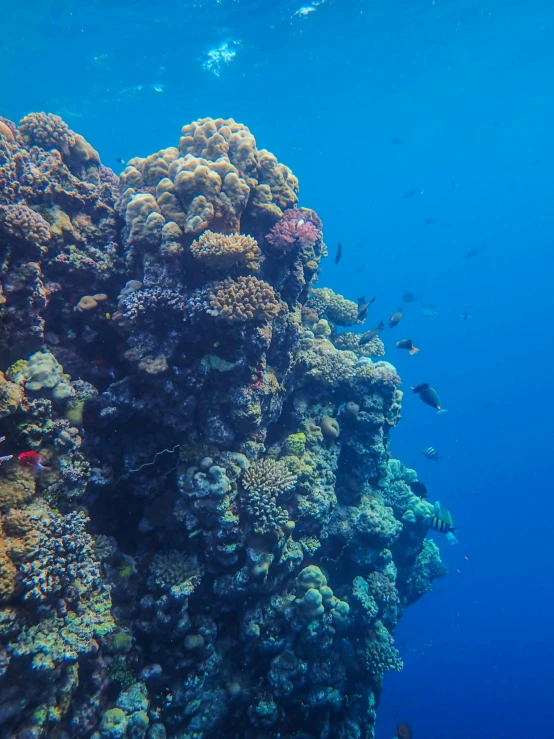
column 243, row 299
column 222, row 251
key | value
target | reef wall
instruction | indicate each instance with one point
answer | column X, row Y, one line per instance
column 209, row 537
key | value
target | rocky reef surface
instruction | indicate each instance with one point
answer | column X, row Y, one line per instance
column 211, row 539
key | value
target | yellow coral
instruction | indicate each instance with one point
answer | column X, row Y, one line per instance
column 223, row 251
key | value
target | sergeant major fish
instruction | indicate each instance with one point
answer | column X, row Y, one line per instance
column 431, row 453
column 442, row 522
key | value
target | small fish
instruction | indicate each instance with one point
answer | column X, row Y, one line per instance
column 104, row 365
column 403, row 731
column 395, row 319
column 396, row 140
column 363, row 308
column 2, row 438
column 158, row 88
column 428, row 395
column 339, row 253
column 411, row 193
column 119, row 160
column 453, row 185
column 467, row 559
column 431, row 453
column 442, row 522
column 32, row 460
column 419, row 489
column 429, row 310
column 409, row 297
column 407, row 344
column 6, row 458
column 472, row 253
column 370, row 335
column 430, row 221
column 465, row 314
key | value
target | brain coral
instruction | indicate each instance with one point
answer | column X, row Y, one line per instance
column 329, row 304
column 222, row 251
column 46, row 130
column 216, row 179
column 243, row 299
column 24, row 224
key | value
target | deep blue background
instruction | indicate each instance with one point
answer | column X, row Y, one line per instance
column 468, row 87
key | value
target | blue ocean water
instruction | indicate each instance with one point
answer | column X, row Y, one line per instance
column 366, row 101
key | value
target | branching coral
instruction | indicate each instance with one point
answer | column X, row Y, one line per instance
column 66, row 565
column 243, row 299
column 222, row 251
column 293, row 228
column 263, row 483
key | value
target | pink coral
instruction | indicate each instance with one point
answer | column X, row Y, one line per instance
column 293, row 228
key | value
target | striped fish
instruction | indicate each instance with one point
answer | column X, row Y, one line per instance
column 431, row 453
column 442, row 522
column 441, row 526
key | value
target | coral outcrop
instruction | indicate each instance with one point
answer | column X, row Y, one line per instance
column 202, row 531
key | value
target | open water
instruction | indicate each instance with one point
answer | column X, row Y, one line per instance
column 366, row 100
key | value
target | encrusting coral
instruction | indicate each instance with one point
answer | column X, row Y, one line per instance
column 172, row 380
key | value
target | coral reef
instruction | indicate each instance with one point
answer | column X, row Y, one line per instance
column 202, row 531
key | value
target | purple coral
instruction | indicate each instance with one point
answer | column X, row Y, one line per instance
column 293, row 228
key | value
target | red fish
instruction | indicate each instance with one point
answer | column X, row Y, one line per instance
column 32, row 460
column 103, row 364
column 403, row 731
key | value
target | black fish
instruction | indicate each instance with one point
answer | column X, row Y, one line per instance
column 419, row 489
column 428, row 395
column 395, row 319
column 411, row 193
column 339, row 253
column 119, row 160
column 363, row 307
column 472, row 253
column 366, row 338
column 409, row 297
column 407, row 344
column 430, row 221
column 397, row 140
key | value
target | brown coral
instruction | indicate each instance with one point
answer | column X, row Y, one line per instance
column 11, row 396
column 216, row 178
column 24, row 224
column 18, row 487
column 263, row 483
column 7, row 572
column 329, row 304
column 222, row 251
column 243, row 299
column 46, row 130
